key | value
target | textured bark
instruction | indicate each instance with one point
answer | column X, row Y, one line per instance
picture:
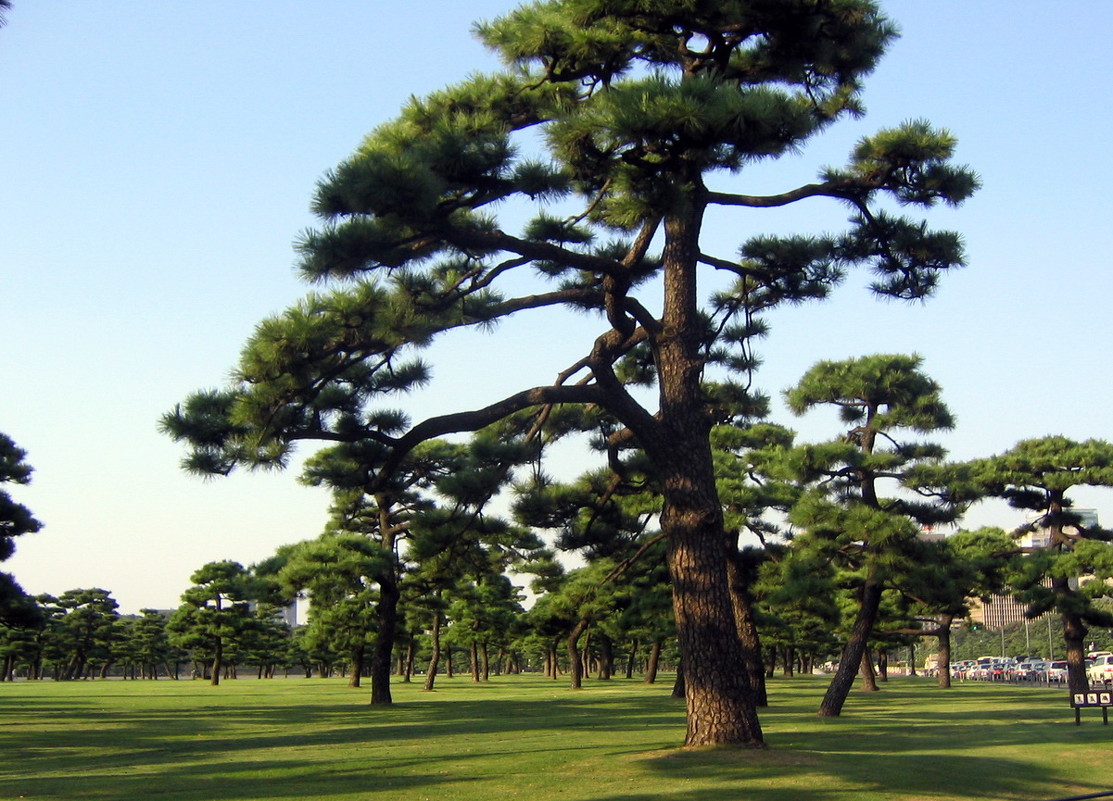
column 720, row 706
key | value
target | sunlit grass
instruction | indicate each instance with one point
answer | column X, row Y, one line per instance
column 528, row 737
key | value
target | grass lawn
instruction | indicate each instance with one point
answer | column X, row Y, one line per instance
column 530, row 738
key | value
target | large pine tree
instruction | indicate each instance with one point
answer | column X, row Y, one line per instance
column 647, row 109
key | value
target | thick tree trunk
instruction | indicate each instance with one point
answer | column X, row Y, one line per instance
column 720, row 705
column 851, row 658
column 882, row 665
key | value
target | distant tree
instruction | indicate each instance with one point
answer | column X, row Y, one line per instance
column 938, row 589
column 1037, row 476
column 215, row 615
column 645, row 110
column 338, row 571
column 149, row 645
column 85, row 630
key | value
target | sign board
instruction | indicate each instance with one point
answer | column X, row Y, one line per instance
column 1101, row 699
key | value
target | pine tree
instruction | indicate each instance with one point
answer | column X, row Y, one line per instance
column 645, row 110
column 1037, row 475
column 847, row 513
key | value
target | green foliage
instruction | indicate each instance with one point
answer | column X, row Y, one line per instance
column 15, row 518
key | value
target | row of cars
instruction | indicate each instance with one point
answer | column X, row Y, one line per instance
column 1099, row 669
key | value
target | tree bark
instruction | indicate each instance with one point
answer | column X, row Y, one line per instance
column 1074, row 634
column 386, row 611
column 435, row 656
column 742, row 602
column 356, row 674
column 720, row 705
column 653, row 661
column 851, row 658
column 943, row 660
column 575, row 661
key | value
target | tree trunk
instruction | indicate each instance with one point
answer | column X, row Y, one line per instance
column 485, row 658
column 653, row 662
column 742, row 601
column 631, row 659
column 435, row 656
column 678, row 688
column 386, row 610
column 575, row 662
column 851, row 658
column 869, row 678
column 606, row 657
column 1074, row 633
column 408, row 661
column 473, row 656
column 218, row 661
column 943, row 660
column 356, row 674
column 882, row 665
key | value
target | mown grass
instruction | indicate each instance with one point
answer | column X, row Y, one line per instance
column 530, row 738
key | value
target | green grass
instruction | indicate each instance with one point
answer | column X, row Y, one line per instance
column 530, row 738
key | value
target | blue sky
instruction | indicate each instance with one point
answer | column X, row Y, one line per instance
column 158, row 162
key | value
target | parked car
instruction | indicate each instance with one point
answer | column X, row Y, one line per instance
column 961, row 669
column 1057, row 671
column 1101, row 670
column 1032, row 670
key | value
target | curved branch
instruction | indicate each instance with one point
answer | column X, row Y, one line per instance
column 476, row 419
column 837, row 189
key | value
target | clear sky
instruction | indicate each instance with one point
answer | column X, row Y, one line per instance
column 157, row 163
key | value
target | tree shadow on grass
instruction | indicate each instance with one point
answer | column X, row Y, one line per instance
column 892, row 745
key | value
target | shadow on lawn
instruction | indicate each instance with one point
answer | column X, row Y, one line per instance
column 891, row 745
